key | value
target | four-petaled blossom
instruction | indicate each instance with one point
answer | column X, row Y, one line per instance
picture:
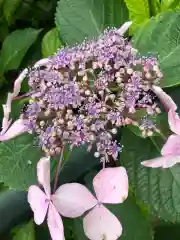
column 110, row 186
column 73, row 200
column 43, row 202
column 171, row 150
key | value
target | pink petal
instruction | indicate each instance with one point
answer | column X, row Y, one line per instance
column 100, row 223
column 7, row 110
column 14, row 130
column 55, row 224
column 18, row 82
column 165, row 99
column 73, row 199
column 43, row 174
column 42, row 62
column 172, row 146
column 164, row 162
column 174, row 121
column 111, row 185
column 121, row 31
column 38, row 202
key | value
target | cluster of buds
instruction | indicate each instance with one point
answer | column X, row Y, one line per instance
column 85, row 93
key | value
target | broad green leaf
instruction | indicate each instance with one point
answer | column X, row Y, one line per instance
column 135, row 224
column 18, row 160
column 160, row 37
column 15, row 47
column 138, row 12
column 14, row 208
column 80, row 19
column 25, row 232
column 165, row 4
column 9, row 9
column 50, row 43
column 169, row 4
column 158, row 188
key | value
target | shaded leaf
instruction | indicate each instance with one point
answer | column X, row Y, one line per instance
column 158, row 188
column 160, row 37
column 154, row 6
column 13, row 209
column 9, row 9
column 18, row 160
column 15, row 47
column 50, row 43
column 25, row 232
column 78, row 19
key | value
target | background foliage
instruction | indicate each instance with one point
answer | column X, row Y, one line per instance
column 31, row 30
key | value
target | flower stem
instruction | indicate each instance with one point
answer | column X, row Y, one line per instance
column 58, row 169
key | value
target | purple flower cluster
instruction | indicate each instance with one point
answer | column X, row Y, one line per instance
column 88, row 91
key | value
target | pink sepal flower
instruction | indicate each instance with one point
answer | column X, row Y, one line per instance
column 73, row 200
column 171, row 149
column 165, row 99
column 121, row 31
column 43, row 203
column 110, row 186
column 10, row 131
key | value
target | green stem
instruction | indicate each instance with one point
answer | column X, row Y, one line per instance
column 58, row 169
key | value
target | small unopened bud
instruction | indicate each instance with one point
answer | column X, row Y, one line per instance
column 119, row 80
column 87, row 92
column 96, row 154
column 114, row 131
column 129, row 71
column 148, row 75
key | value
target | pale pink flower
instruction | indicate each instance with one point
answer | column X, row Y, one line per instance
column 10, row 131
column 110, row 186
column 171, row 150
column 165, row 99
column 43, row 202
column 73, row 199
column 121, row 31
column 24, row 73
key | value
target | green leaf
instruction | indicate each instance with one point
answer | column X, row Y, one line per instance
column 80, row 19
column 160, row 36
column 138, row 12
column 50, row 43
column 18, row 160
column 158, row 188
column 25, row 232
column 135, row 224
column 9, row 9
column 14, row 209
column 169, row 4
column 15, row 47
